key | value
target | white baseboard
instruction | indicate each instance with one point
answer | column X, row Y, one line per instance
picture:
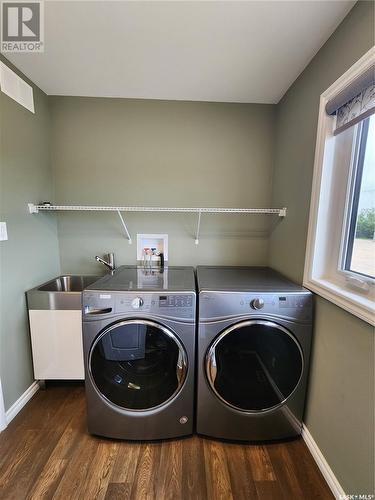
column 3, row 421
column 322, row 463
column 21, row 402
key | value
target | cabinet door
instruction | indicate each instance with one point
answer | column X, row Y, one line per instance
column 56, row 340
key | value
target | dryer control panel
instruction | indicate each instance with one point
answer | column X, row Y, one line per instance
column 220, row 305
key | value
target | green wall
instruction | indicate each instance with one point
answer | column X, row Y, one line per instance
column 30, row 256
column 163, row 153
column 340, row 408
column 112, row 151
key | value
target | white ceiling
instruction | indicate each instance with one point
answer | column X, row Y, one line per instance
column 246, row 51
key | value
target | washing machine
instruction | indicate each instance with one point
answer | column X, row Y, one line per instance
column 254, row 339
column 139, row 346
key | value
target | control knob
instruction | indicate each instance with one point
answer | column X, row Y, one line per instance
column 137, row 303
column 257, row 304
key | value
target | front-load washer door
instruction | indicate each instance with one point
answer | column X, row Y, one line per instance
column 137, row 364
column 254, row 366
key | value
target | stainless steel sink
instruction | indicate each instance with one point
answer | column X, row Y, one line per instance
column 68, row 283
column 63, row 292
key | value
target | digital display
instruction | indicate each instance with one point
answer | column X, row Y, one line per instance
column 175, row 301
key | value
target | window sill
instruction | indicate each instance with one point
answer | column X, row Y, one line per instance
column 352, row 302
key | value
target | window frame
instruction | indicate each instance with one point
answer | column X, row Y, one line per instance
column 345, row 288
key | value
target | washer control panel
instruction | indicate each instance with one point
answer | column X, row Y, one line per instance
column 173, row 305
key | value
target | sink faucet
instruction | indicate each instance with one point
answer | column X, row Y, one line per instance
column 110, row 263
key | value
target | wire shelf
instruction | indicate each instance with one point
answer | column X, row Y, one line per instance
column 208, row 210
column 48, row 207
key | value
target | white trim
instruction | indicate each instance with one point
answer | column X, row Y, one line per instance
column 340, row 298
column 21, row 402
column 3, row 421
column 322, row 463
column 310, row 279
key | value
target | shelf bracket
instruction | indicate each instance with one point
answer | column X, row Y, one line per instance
column 125, row 227
column 33, row 209
column 198, row 228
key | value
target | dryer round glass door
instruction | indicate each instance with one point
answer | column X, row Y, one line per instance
column 137, row 364
column 254, row 366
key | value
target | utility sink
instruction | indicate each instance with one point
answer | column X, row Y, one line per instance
column 63, row 292
column 55, row 317
column 69, row 283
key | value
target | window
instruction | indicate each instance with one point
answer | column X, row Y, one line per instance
column 359, row 245
column 340, row 252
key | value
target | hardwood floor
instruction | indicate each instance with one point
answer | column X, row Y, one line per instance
column 46, row 453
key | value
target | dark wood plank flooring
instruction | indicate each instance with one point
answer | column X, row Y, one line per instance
column 47, row 453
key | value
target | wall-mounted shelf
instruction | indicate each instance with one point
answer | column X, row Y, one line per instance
column 47, row 207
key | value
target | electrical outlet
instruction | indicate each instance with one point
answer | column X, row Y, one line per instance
column 3, row 231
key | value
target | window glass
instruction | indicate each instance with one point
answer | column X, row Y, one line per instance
column 360, row 252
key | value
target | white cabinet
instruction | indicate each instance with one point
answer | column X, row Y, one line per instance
column 56, row 338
